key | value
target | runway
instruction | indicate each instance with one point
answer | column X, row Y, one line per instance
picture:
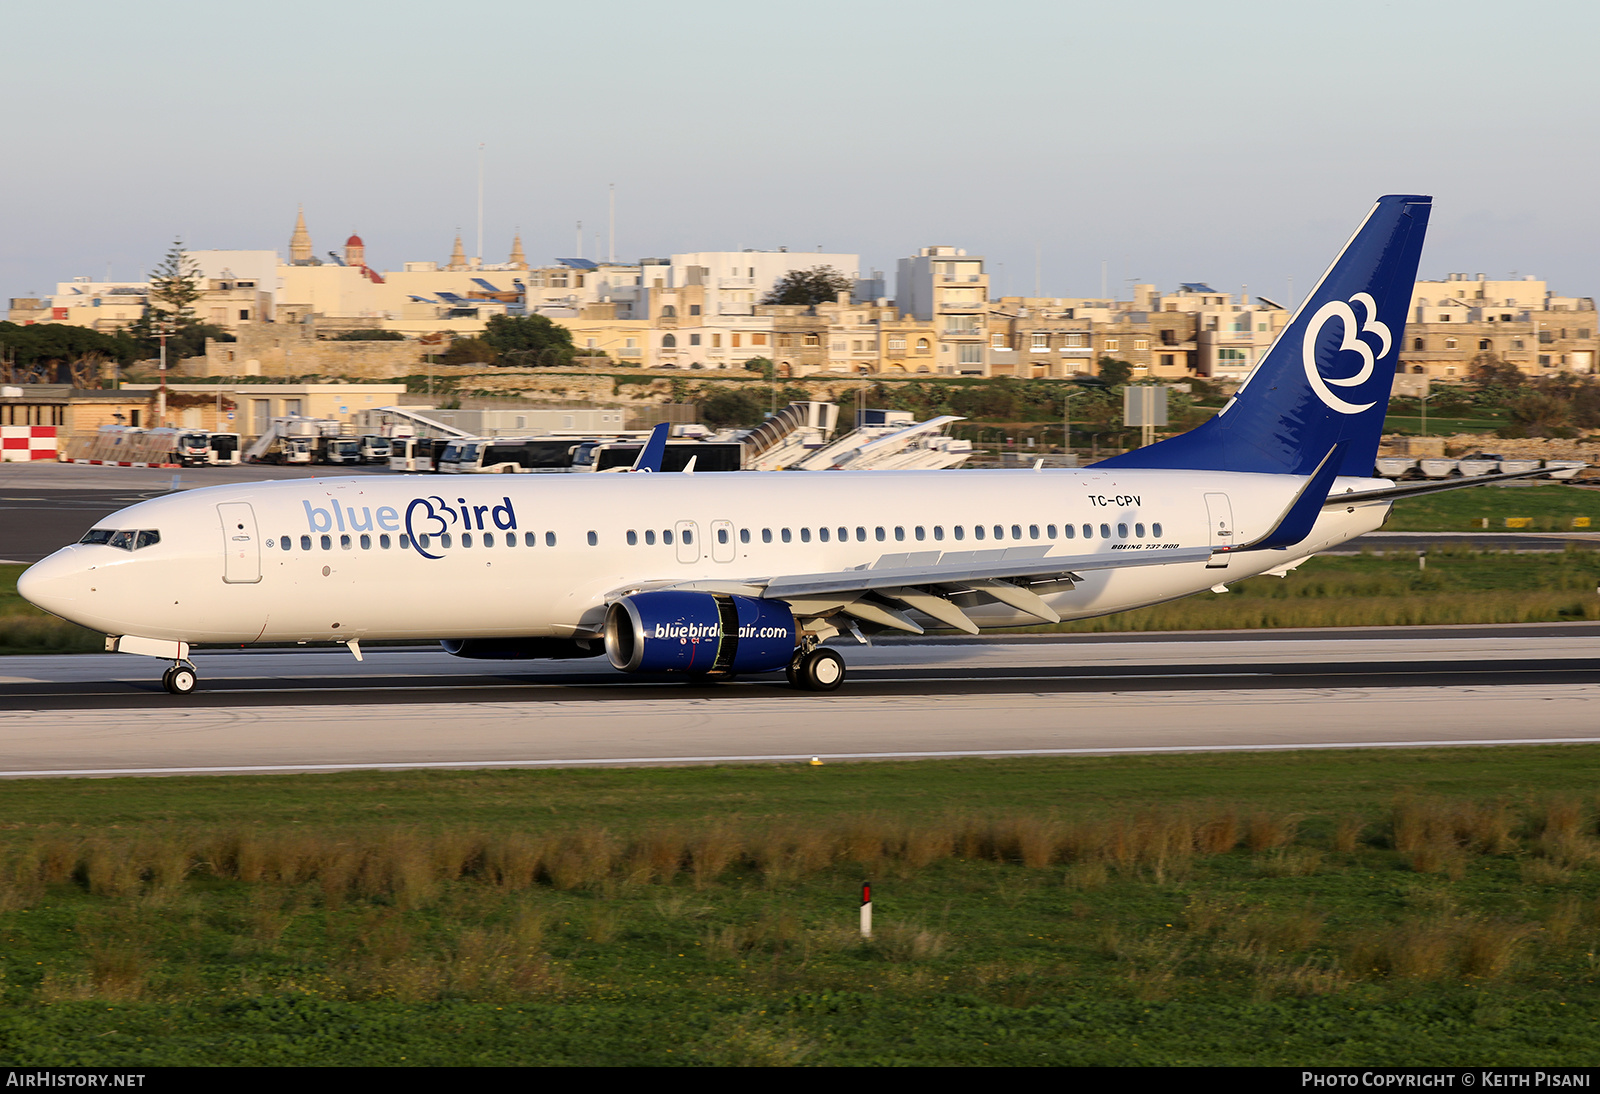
column 317, row 710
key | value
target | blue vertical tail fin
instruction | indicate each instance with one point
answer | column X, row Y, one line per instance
column 1326, row 380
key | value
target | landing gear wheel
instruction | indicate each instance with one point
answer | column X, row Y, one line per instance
column 179, row 679
column 820, row 670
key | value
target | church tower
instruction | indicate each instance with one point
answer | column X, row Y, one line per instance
column 518, row 260
column 300, row 242
column 355, row 252
column 458, row 257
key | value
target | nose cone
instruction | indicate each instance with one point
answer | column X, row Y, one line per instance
column 57, row 584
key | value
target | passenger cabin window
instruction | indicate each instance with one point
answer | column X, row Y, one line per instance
column 530, row 539
column 784, row 535
column 549, row 539
column 649, row 537
column 744, row 535
column 805, row 535
column 633, row 538
column 822, row 534
column 594, row 538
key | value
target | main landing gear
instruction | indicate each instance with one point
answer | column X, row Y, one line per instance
column 816, row 669
column 180, row 679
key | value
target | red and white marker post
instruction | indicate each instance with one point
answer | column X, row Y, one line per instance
column 866, row 909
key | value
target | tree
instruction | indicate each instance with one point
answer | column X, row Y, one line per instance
column 528, row 340
column 51, row 352
column 469, row 351
column 762, row 365
column 818, row 285
column 369, row 336
column 740, row 406
column 175, row 284
column 1115, row 372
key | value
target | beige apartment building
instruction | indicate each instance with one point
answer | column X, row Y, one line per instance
column 1461, row 320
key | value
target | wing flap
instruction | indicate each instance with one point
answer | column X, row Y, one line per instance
column 960, row 568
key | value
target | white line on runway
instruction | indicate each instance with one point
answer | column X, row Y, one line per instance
column 839, row 757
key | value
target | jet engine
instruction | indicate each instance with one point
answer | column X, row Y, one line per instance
column 712, row 633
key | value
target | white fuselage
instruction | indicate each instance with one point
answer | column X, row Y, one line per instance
column 542, row 555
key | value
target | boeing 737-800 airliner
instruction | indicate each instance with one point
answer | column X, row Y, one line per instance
column 715, row 575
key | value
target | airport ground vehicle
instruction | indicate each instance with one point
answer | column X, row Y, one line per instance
column 510, row 455
column 415, row 453
column 714, row 575
column 201, row 448
column 619, row 455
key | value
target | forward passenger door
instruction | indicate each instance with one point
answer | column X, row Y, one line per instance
column 241, row 559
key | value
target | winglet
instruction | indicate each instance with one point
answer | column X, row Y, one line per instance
column 1302, row 514
column 650, row 456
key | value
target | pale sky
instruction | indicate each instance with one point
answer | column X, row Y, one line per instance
column 1231, row 142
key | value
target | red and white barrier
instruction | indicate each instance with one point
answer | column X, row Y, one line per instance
column 23, row 443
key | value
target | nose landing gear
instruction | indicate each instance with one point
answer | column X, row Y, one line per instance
column 180, row 679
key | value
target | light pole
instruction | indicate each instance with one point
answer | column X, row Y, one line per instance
column 1423, row 399
column 163, row 332
column 1066, row 428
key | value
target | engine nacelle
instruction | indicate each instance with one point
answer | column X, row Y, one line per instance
column 519, row 649
column 671, row 631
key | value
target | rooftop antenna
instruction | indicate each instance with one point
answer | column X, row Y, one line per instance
column 580, row 240
column 611, row 245
column 1038, row 251
column 480, row 203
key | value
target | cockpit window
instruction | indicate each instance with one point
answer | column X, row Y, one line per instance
column 128, row 540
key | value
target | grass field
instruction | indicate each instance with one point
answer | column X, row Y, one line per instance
column 1437, row 426
column 1549, row 508
column 1353, row 908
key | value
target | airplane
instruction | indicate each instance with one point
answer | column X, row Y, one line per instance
column 712, row 576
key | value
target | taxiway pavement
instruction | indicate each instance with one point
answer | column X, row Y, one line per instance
column 309, row 710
